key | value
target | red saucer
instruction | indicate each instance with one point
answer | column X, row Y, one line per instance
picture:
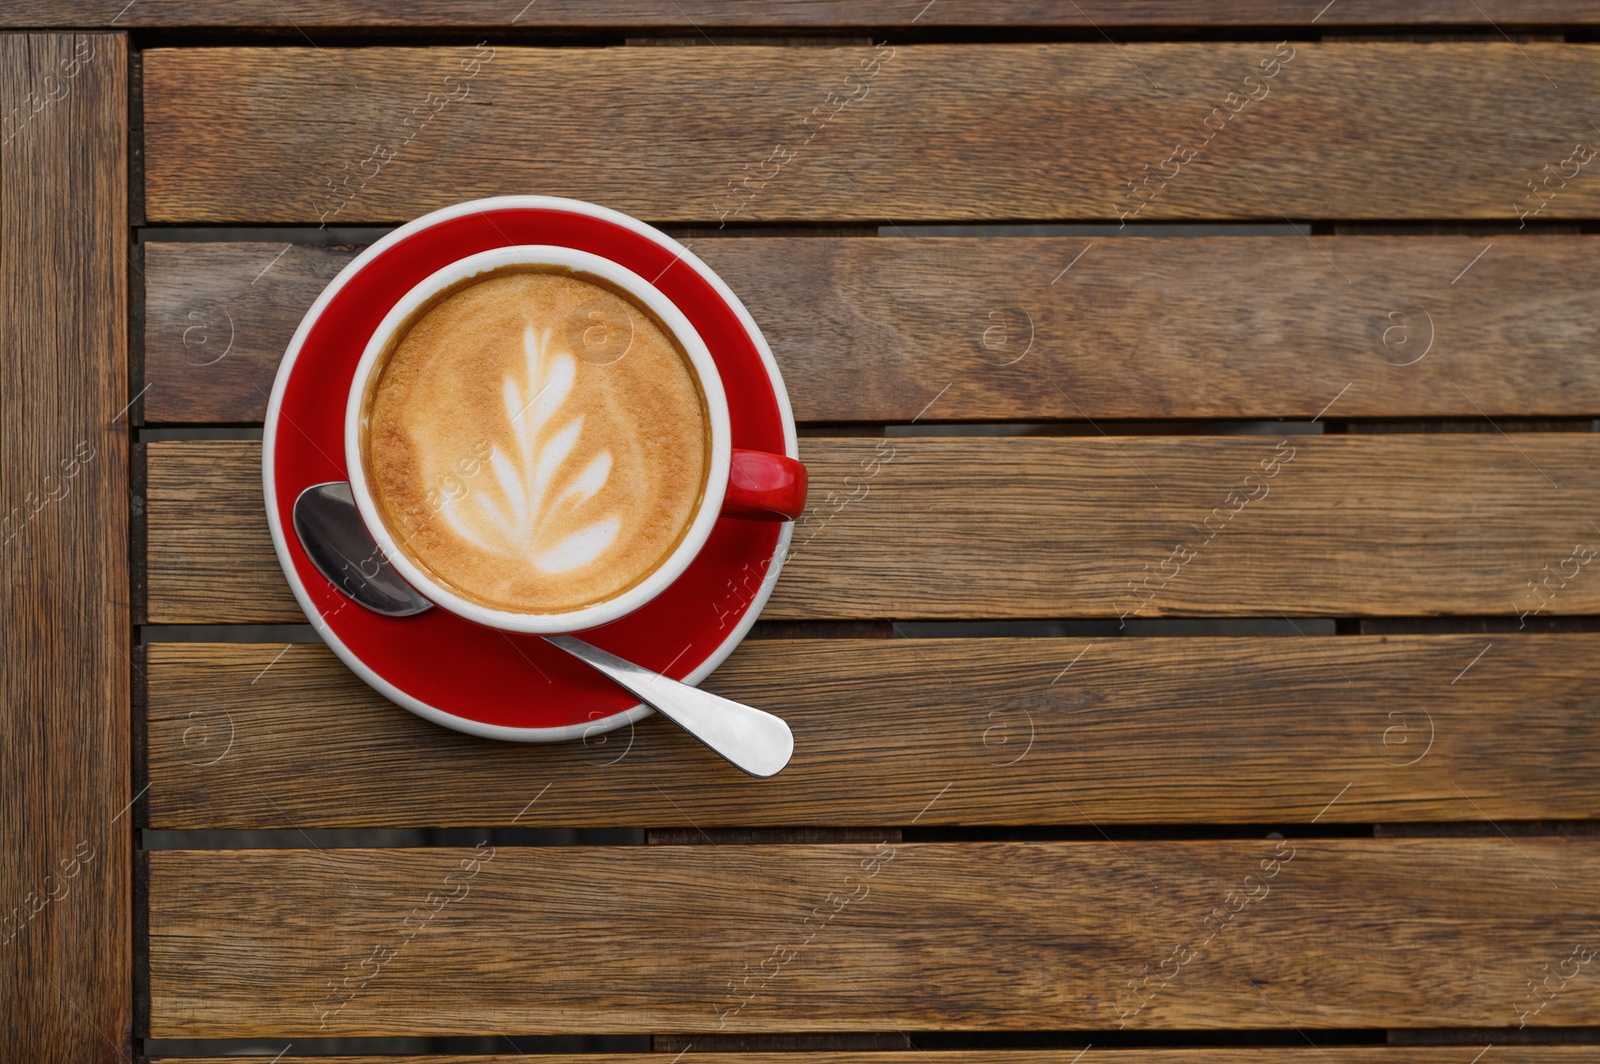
column 449, row 670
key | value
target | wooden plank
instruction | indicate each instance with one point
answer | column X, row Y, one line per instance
column 1135, row 329
column 974, row 527
column 1024, row 731
column 692, row 836
column 1352, row 933
column 214, row 335
column 1277, row 1055
column 65, row 910
column 690, row 17
column 311, row 135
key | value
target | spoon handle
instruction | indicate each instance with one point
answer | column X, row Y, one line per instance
column 751, row 740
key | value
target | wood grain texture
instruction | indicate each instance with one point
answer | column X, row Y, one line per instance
column 1348, row 131
column 689, row 17
column 1251, row 327
column 965, row 936
column 1285, row 1055
column 65, row 930
column 1099, row 527
column 218, row 318
column 1023, row 731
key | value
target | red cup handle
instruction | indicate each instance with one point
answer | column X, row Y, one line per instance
column 764, row 487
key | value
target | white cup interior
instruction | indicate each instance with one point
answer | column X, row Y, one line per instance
column 716, row 406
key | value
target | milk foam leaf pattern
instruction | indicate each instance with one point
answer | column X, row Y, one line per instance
column 516, row 514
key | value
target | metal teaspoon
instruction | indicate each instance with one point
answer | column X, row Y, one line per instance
column 331, row 531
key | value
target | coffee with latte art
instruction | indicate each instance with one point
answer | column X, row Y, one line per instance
column 535, row 440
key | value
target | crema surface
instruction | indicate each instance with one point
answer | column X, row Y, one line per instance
column 536, row 442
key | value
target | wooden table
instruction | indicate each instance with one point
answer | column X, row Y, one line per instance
column 1207, row 671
